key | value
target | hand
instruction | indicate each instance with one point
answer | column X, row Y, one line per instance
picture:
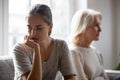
column 29, row 42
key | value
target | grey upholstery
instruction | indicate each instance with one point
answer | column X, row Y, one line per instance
column 6, row 68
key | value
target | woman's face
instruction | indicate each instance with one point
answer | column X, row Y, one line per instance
column 93, row 31
column 38, row 29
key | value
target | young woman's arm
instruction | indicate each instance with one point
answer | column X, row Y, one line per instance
column 69, row 77
column 67, row 69
column 36, row 72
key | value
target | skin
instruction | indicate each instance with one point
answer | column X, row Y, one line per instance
column 85, row 39
column 42, row 45
column 91, row 33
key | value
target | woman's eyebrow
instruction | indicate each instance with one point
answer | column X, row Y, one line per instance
column 38, row 25
column 28, row 25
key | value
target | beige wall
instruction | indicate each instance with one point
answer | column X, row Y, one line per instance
column 117, row 22
column 108, row 39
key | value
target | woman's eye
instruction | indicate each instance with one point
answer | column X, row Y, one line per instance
column 39, row 28
column 29, row 28
column 97, row 25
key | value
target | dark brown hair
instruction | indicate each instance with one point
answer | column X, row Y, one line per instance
column 42, row 10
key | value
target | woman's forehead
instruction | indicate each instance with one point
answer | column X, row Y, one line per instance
column 96, row 20
column 35, row 19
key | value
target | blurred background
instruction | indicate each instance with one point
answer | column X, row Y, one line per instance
column 13, row 27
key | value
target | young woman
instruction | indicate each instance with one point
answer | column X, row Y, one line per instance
column 40, row 56
column 86, row 29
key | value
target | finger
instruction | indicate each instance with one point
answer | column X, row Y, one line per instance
column 28, row 42
column 26, row 39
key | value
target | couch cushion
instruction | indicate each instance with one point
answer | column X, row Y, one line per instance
column 6, row 68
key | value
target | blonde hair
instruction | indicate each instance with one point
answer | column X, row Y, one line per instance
column 82, row 19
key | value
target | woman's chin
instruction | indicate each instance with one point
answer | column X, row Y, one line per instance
column 97, row 39
column 36, row 41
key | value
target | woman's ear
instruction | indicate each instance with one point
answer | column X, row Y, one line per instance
column 80, row 37
column 50, row 29
column 51, row 25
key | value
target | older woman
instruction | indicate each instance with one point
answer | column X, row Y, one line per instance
column 86, row 29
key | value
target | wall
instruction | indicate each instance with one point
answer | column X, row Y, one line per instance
column 0, row 26
column 117, row 22
column 107, row 44
column 3, row 27
column 75, row 5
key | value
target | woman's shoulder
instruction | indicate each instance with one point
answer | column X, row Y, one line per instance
column 18, row 45
column 21, row 47
column 75, row 48
column 59, row 42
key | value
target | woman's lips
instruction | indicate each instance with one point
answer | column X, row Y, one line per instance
column 34, row 39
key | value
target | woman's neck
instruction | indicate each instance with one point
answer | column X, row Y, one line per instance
column 83, row 42
column 46, row 43
column 46, row 48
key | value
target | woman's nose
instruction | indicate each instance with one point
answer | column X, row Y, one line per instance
column 33, row 32
column 99, row 29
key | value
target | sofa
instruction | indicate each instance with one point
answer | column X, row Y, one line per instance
column 113, row 74
column 7, row 69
